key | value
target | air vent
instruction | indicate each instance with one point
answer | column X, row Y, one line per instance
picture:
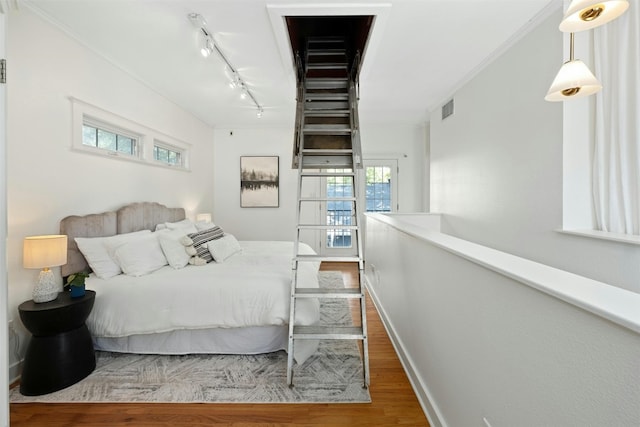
column 447, row 109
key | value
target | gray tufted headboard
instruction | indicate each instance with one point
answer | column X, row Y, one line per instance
column 129, row 218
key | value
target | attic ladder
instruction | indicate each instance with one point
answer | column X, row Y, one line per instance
column 327, row 144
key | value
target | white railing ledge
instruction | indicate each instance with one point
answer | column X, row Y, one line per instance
column 615, row 304
column 604, row 235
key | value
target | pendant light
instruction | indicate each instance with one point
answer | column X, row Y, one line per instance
column 586, row 14
column 574, row 80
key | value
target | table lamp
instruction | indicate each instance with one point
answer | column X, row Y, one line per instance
column 203, row 217
column 45, row 252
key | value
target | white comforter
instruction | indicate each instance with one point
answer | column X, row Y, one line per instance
column 251, row 288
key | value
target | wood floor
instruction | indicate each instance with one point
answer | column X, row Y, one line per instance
column 393, row 400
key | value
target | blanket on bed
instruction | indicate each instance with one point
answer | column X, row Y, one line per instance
column 251, row 288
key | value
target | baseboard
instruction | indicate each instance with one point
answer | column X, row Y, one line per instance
column 419, row 387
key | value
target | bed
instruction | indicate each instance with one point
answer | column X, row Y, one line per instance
column 238, row 304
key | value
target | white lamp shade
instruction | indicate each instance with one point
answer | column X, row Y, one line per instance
column 586, row 14
column 574, row 80
column 203, row 217
column 44, row 251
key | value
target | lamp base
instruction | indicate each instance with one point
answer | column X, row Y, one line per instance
column 47, row 288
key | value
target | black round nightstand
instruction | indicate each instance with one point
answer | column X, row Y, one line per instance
column 61, row 351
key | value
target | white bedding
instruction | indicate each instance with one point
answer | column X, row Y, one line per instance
column 249, row 289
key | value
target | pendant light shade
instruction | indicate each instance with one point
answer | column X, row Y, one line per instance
column 574, row 80
column 586, row 14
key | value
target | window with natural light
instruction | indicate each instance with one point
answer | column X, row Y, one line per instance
column 100, row 132
column 114, row 141
column 339, row 212
column 378, row 188
column 167, row 155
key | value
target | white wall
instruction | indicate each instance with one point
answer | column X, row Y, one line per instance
column 253, row 223
column 496, row 166
column 404, row 143
column 46, row 180
column 478, row 344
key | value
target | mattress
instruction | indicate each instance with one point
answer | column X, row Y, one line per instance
column 239, row 306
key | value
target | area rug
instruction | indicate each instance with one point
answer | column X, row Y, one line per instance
column 332, row 375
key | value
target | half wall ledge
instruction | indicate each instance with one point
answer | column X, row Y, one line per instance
column 610, row 302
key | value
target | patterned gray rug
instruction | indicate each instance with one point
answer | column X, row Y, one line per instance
column 332, row 375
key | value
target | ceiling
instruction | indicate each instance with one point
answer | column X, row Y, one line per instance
column 418, row 53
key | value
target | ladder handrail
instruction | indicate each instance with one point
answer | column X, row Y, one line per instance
column 354, row 73
column 355, row 126
column 299, row 123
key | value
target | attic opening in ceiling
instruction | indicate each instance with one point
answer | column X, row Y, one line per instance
column 353, row 29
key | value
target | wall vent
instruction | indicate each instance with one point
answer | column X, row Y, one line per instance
column 447, row 109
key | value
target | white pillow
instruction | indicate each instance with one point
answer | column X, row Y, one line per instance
column 96, row 251
column 173, row 225
column 223, row 247
column 204, row 225
column 185, row 223
column 140, row 257
column 114, row 242
column 174, row 250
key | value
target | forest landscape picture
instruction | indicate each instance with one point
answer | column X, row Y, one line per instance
column 259, row 181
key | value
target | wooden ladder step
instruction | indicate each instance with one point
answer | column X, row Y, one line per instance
column 326, row 52
column 326, row 174
column 327, row 66
column 326, row 105
column 327, row 162
column 326, row 113
column 326, row 227
column 350, row 293
column 328, row 332
column 326, row 152
column 320, row 258
column 327, row 129
column 326, row 96
column 326, row 83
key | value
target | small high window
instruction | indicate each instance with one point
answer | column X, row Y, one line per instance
column 95, row 136
column 100, row 132
column 168, row 155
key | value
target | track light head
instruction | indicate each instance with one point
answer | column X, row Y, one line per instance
column 207, row 49
column 235, row 81
column 197, row 20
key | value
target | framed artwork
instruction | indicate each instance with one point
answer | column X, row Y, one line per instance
column 259, row 181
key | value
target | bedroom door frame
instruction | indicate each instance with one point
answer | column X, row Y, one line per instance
column 324, row 242
column 328, row 237
column 394, row 171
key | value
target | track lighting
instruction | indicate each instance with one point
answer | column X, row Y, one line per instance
column 235, row 81
column 209, row 47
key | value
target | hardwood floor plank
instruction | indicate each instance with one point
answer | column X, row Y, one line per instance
column 393, row 400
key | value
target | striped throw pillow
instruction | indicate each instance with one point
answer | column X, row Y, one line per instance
column 201, row 238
